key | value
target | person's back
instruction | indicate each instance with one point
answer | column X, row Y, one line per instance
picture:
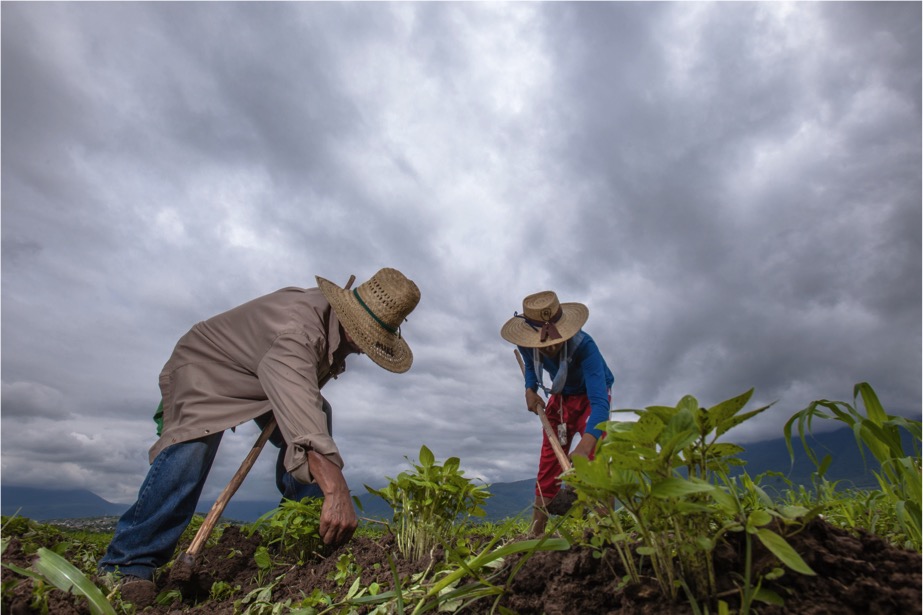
column 245, row 333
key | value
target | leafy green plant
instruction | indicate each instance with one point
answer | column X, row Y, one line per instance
column 259, row 601
column 346, row 568
column 429, row 501
column 661, row 469
column 665, row 470
column 194, row 524
column 293, row 528
column 899, row 473
column 855, row 510
column 748, row 509
column 221, row 590
column 32, row 535
column 263, row 564
column 81, row 551
column 168, row 597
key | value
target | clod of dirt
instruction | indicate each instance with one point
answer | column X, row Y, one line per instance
column 140, row 592
column 561, row 503
column 183, row 568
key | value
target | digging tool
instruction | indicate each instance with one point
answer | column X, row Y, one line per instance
column 184, row 566
column 565, row 497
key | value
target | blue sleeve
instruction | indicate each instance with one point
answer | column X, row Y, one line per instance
column 531, row 378
column 597, row 379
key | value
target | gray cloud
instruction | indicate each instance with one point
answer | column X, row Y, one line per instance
column 733, row 190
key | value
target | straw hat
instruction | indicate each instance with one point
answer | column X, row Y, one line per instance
column 372, row 315
column 544, row 321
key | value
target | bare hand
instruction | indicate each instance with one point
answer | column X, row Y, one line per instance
column 534, row 403
column 585, row 447
column 338, row 518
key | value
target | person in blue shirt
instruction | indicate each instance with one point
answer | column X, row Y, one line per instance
column 550, row 337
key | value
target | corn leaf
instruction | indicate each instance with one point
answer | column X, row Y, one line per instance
column 481, row 560
column 67, row 577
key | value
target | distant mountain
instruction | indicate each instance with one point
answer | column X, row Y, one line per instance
column 43, row 504
column 507, row 499
column 849, row 467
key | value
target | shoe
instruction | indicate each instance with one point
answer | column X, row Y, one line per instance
column 140, row 592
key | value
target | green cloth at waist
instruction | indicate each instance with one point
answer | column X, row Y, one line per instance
column 158, row 418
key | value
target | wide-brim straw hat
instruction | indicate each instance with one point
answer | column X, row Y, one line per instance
column 372, row 315
column 544, row 321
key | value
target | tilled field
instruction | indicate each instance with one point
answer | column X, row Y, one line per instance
column 855, row 574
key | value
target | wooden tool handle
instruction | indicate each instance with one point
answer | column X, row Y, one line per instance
column 546, row 425
column 221, row 503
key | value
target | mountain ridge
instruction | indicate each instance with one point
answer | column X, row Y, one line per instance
column 509, row 499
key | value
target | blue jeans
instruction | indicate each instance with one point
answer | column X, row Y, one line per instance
column 147, row 534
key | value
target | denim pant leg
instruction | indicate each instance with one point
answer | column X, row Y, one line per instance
column 147, row 534
column 290, row 488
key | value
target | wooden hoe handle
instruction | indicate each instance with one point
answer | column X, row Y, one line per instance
column 552, row 437
column 221, row 503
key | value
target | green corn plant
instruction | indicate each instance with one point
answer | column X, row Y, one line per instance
column 661, row 469
column 899, row 473
column 449, row 593
column 52, row 569
column 83, row 554
column 429, row 503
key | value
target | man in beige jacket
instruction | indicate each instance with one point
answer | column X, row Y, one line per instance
column 267, row 357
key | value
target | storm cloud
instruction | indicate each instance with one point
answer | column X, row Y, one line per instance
column 733, row 189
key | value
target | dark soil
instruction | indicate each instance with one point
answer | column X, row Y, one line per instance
column 859, row 574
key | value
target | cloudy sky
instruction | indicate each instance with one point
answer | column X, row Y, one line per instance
column 733, row 189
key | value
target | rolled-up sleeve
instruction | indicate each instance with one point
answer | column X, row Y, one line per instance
column 288, row 375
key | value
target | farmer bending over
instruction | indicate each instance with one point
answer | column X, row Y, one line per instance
column 549, row 336
column 266, row 358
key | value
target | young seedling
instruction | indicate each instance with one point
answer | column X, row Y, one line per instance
column 430, row 503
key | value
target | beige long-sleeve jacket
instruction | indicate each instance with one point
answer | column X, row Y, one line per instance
column 271, row 353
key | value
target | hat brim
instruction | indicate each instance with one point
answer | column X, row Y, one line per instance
column 573, row 316
column 386, row 349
